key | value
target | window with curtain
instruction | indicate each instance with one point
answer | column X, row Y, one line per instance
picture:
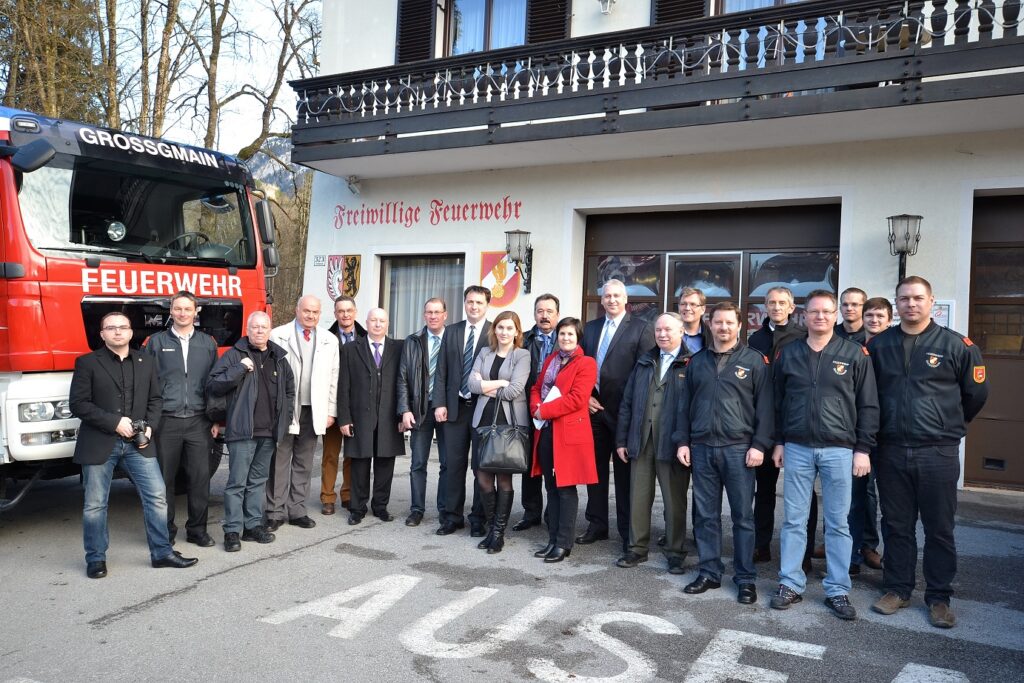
column 408, row 281
column 477, row 25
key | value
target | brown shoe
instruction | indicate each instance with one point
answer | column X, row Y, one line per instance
column 889, row 603
column 328, row 509
column 941, row 616
column 819, row 552
column 871, row 557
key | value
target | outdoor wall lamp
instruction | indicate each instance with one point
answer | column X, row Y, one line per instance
column 904, row 236
column 606, row 6
column 520, row 253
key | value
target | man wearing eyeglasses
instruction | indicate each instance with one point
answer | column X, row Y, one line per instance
column 116, row 394
column 851, row 307
column 826, row 418
column 691, row 307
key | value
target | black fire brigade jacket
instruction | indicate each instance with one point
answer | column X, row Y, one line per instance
column 734, row 406
column 930, row 400
column 833, row 404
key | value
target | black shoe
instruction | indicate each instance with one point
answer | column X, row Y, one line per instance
column 524, row 524
column 203, row 540
column 662, row 540
column 545, row 551
column 354, row 518
column 303, row 522
column 630, row 560
column 854, row 569
column 762, row 555
column 701, row 584
column 785, row 597
column 384, row 516
column 414, row 518
column 488, row 501
column 231, row 542
column 557, row 554
column 174, row 561
column 502, row 511
column 272, row 525
column 590, row 536
column 747, row 594
column 258, row 534
column 447, row 528
column 96, row 570
column 675, row 565
column 841, row 607
column 476, row 530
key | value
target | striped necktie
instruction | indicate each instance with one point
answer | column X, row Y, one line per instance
column 435, row 347
column 467, row 361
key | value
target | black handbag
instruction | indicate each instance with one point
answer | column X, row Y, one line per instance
column 504, row 449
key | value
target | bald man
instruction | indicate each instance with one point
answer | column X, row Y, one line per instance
column 368, row 415
column 313, row 358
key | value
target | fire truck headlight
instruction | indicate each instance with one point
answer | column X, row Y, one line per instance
column 116, row 230
column 62, row 410
column 35, row 412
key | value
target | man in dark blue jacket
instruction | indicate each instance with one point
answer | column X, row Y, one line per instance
column 931, row 382
column 261, row 390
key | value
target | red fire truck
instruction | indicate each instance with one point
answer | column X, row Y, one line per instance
column 95, row 220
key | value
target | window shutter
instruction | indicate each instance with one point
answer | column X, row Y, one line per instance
column 415, row 39
column 665, row 11
column 547, row 20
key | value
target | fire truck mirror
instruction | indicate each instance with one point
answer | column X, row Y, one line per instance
column 265, row 219
column 271, row 257
column 33, row 156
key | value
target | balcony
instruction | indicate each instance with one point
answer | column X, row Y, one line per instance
column 793, row 75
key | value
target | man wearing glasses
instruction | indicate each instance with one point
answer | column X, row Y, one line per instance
column 826, row 417
column 696, row 335
column 851, row 307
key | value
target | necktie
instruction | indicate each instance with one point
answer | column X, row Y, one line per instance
column 376, row 353
column 435, row 347
column 666, row 361
column 602, row 350
column 305, row 335
column 547, row 347
column 467, row 361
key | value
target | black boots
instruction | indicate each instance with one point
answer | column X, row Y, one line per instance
column 502, row 512
column 488, row 499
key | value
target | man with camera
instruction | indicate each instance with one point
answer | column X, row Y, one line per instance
column 116, row 394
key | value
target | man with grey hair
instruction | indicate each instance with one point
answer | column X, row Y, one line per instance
column 258, row 382
column 313, row 358
column 616, row 341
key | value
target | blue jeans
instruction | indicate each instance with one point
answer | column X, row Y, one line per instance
column 149, row 482
column 419, row 443
column 835, row 467
column 715, row 468
column 244, row 495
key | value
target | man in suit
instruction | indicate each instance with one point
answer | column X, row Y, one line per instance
column 454, row 405
column 313, row 357
column 347, row 330
column 540, row 342
column 421, row 353
column 368, row 415
column 616, row 341
column 113, row 390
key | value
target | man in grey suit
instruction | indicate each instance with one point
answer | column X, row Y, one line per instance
column 454, row 404
column 616, row 341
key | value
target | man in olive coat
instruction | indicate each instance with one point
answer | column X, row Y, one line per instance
column 368, row 415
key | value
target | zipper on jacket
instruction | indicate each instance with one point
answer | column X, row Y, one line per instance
column 907, row 358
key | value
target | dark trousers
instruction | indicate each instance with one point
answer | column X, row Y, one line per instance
column 673, row 479
column 870, row 539
column 419, row 443
column 912, row 483
column 857, row 516
column 288, row 486
column 458, row 441
column 716, row 469
column 597, row 494
column 383, row 471
column 186, row 441
column 531, row 493
column 766, row 476
column 563, row 501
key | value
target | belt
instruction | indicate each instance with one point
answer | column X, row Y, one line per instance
column 465, row 401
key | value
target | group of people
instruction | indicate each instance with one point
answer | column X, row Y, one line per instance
column 675, row 401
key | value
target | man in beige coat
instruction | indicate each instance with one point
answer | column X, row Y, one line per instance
column 313, row 357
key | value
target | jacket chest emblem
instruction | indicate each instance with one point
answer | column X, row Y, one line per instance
column 741, row 372
column 933, row 359
column 839, row 367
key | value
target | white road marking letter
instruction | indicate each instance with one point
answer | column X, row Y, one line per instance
column 419, row 638
column 919, row 673
column 639, row 667
column 720, row 660
column 381, row 595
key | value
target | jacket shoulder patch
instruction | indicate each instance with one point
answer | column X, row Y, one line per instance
column 979, row 374
column 968, row 342
column 865, row 350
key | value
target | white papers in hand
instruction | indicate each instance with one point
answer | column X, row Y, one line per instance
column 553, row 393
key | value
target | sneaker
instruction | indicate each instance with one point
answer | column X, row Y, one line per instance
column 841, row 607
column 785, row 597
column 889, row 604
column 258, row 534
column 941, row 615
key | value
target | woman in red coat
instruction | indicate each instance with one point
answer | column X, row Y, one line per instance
column 563, row 448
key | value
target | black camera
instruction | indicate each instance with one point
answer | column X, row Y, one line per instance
column 139, row 437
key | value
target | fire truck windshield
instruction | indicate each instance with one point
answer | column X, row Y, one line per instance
column 77, row 205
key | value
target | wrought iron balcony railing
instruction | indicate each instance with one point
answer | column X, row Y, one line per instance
column 805, row 58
